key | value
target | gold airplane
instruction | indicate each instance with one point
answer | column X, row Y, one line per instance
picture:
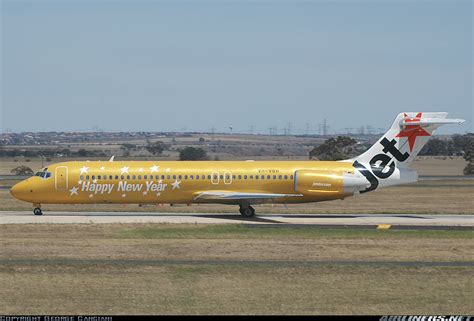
column 242, row 183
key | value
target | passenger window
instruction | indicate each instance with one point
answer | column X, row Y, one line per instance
column 168, row 177
column 174, row 176
column 256, row 176
column 191, row 177
column 268, row 176
column 240, row 176
column 116, row 176
column 291, row 176
column 179, row 177
column 286, row 176
column 87, row 177
column 139, row 176
column 185, row 176
column 245, row 176
column 93, row 177
column 197, row 176
column 162, row 176
column 262, row 177
column 122, row 177
column 145, row 176
column 110, row 177
column 274, row 177
column 280, row 177
column 128, row 176
column 82, row 177
column 98, row 177
column 233, row 176
column 208, row 176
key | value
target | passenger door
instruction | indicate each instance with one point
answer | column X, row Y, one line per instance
column 61, row 178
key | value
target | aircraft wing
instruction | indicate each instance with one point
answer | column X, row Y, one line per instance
column 229, row 195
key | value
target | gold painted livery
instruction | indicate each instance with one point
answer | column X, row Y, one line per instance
column 241, row 183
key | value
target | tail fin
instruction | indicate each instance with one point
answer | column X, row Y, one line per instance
column 398, row 147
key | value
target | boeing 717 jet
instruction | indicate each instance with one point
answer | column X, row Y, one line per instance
column 242, row 183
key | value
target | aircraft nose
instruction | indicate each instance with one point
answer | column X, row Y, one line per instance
column 21, row 190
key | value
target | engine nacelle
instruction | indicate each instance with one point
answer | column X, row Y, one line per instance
column 329, row 183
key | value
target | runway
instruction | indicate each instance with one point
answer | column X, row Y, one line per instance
column 381, row 221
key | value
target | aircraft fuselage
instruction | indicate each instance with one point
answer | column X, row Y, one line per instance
column 150, row 182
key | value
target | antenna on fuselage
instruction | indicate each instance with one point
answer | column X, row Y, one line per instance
column 112, row 158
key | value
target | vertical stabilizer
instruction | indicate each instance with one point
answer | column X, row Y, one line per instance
column 385, row 163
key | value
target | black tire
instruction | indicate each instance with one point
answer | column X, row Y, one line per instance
column 37, row 211
column 247, row 211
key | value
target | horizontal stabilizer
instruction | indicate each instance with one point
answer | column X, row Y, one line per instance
column 431, row 121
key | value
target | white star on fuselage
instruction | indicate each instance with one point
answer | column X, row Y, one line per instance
column 102, row 168
column 124, row 170
column 73, row 190
column 84, row 170
column 175, row 185
column 154, row 168
column 168, row 170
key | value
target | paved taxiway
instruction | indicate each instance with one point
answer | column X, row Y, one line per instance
column 327, row 220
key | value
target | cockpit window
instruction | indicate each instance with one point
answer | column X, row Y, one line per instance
column 43, row 174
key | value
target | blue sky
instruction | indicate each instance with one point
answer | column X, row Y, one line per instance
column 156, row 65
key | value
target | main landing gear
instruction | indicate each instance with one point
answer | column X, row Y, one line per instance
column 37, row 210
column 246, row 210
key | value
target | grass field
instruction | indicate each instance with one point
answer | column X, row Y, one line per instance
column 431, row 197
column 168, row 269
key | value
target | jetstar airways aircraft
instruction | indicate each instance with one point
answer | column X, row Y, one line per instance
column 242, row 183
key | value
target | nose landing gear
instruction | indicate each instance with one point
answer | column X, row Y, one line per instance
column 37, row 210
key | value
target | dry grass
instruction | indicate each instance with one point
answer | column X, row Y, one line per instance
column 228, row 242
column 109, row 287
column 439, row 166
column 235, row 290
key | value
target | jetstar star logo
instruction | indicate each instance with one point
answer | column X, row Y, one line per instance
column 411, row 132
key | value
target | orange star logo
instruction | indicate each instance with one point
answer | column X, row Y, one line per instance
column 411, row 132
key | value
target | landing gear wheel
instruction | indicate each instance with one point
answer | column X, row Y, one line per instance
column 248, row 211
column 37, row 211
